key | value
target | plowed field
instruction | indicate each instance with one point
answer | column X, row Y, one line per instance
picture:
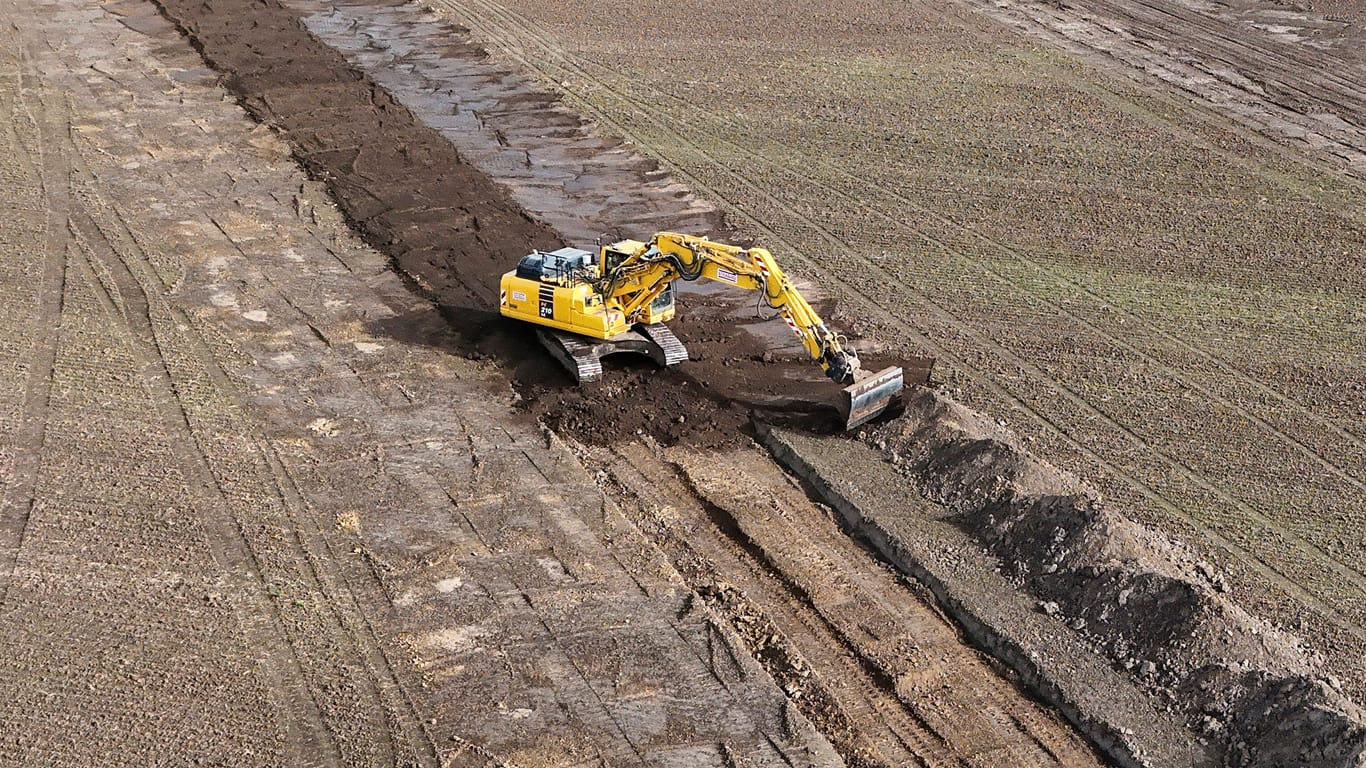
column 280, row 488
column 1161, row 292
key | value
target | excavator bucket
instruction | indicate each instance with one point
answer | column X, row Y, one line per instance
column 870, row 396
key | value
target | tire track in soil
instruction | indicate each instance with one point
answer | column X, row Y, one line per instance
column 96, row 536
column 401, row 713
column 890, row 673
column 1224, row 366
column 864, row 742
column 857, row 198
column 893, row 635
column 1289, row 79
column 498, row 31
column 232, row 464
column 48, row 126
column 178, row 372
column 1240, row 79
column 453, row 232
column 126, row 286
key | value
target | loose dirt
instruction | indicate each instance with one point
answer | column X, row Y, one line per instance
column 397, row 568
column 1152, row 607
column 665, row 406
column 453, row 231
column 860, row 651
column 1157, row 295
column 239, row 527
column 553, row 562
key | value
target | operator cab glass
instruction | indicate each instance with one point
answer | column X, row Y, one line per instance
column 663, row 301
column 555, row 265
column 612, row 257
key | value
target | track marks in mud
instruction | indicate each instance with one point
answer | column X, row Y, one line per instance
column 454, row 231
column 1141, row 457
column 173, row 364
column 170, row 575
column 234, row 430
column 876, row 668
column 1280, row 89
column 39, row 174
column 104, row 559
column 404, row 188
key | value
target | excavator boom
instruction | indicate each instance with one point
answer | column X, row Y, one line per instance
column 588, row 306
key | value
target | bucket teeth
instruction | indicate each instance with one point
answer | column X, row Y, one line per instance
column 865, row 399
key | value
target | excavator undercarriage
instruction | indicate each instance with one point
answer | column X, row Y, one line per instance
column 582, row 355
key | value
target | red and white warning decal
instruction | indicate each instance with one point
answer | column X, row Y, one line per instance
column 502, row 298
column 793, row 325
column 760, row 262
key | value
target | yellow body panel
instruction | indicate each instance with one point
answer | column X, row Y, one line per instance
column 574, row 307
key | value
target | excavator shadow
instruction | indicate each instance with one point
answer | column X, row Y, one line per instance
column 475, row 333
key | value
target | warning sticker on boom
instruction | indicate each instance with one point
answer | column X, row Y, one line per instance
column 726, row 275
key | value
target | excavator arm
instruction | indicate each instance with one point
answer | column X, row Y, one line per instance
column 669, row 256
column 587, row 306
column 641, row 277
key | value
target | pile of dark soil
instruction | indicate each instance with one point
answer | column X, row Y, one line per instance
column 1151, row 606
column 453, row 231
column 401, row 185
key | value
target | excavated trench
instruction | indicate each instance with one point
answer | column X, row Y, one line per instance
column 435, row 210
column 1146, row 607
column 452, row 230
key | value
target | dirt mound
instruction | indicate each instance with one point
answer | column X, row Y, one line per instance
column 1149, row 604
column 453, row 231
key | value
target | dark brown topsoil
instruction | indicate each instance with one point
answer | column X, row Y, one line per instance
column 453, row 231
column 1141, row 599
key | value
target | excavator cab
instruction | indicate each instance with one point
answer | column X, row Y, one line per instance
column 616, row 253
column 662, row 305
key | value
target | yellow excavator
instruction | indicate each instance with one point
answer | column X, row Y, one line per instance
column 588, row 306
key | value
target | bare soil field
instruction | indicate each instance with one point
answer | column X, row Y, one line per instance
column 244, row 523
column 1162, row 296
column 269, row 500
column 264, row 506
